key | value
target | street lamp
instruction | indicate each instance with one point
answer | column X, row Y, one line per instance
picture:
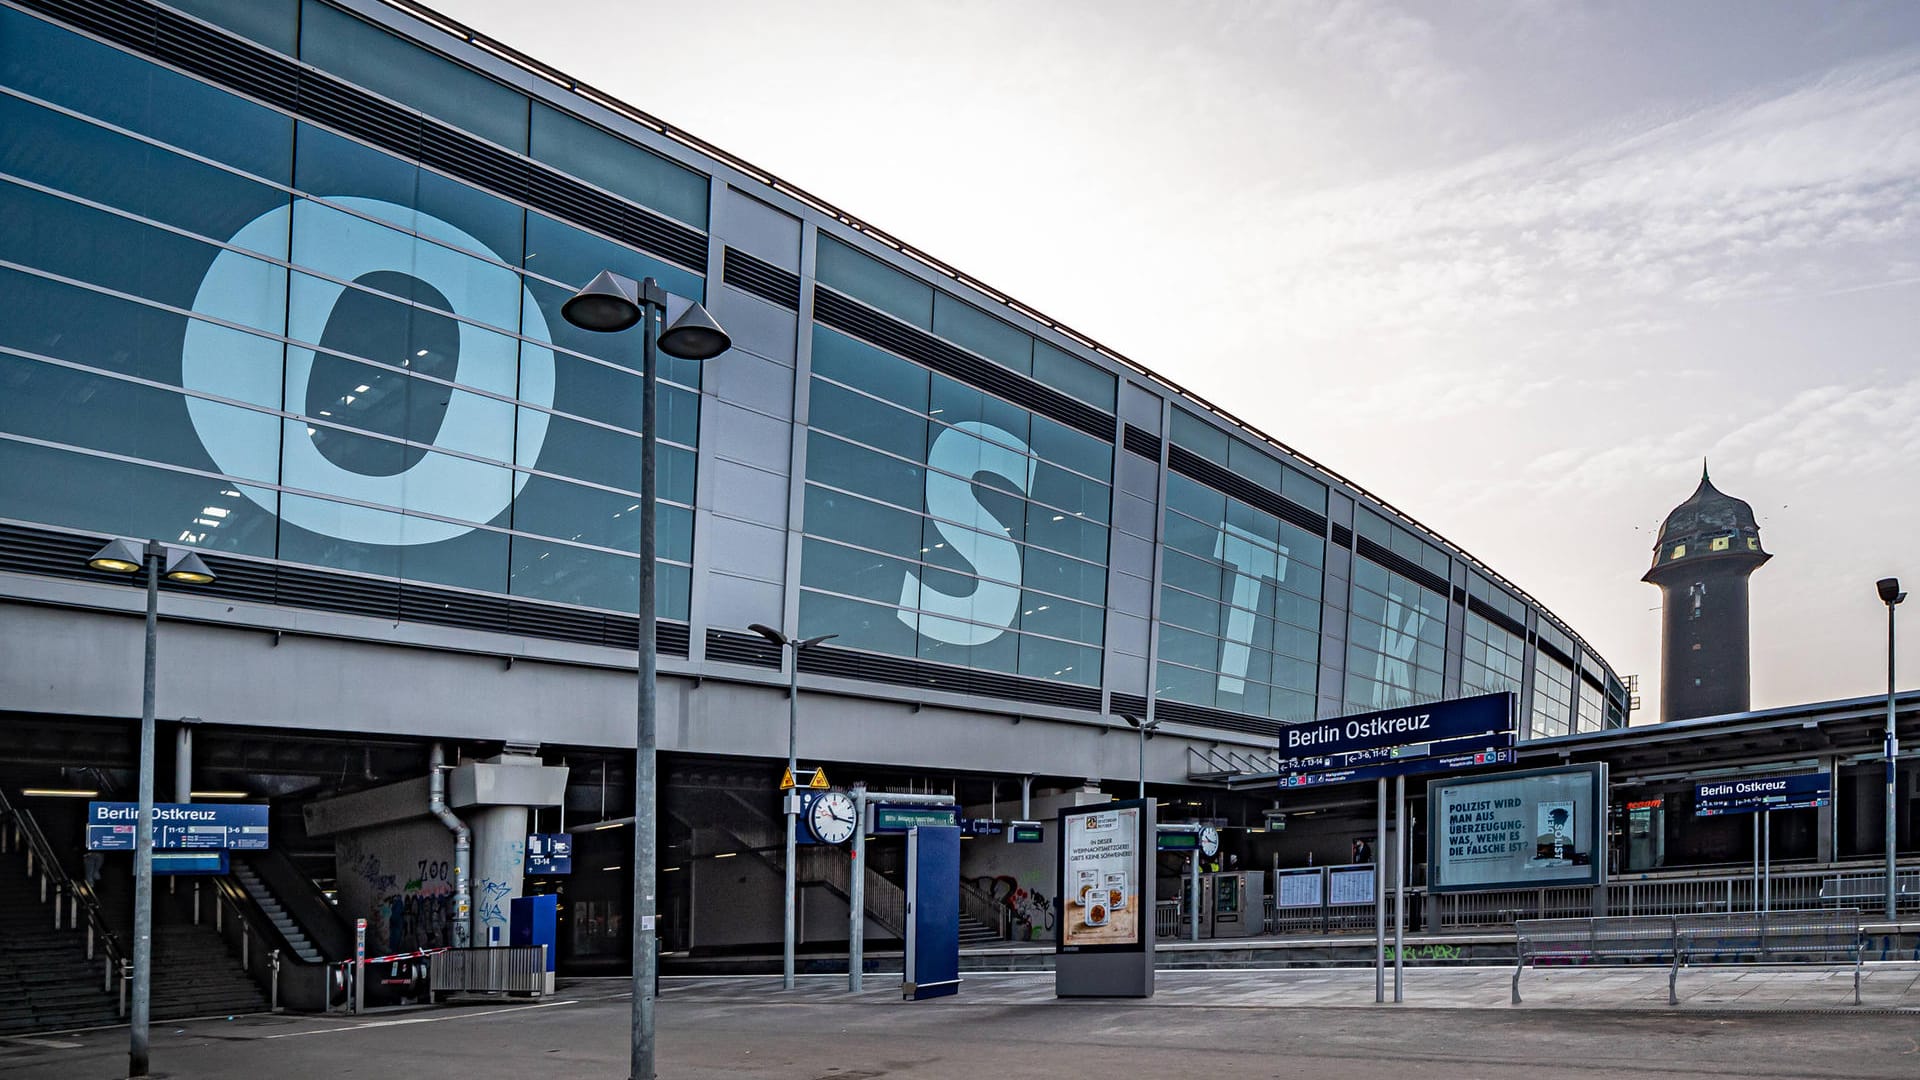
column 178, row 564
column 782, row 641
column 1145, row 728
column 1891, row 596
column 612, row 302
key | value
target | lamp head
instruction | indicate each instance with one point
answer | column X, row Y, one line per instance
column 768, row 632
column 608, row 303
column 1890, row 593
column 186, row 567
column 118, row 557
column 692, row 334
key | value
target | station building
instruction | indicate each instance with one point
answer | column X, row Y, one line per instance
column 281, row 283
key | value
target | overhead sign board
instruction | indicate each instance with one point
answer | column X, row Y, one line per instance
column 190, row 862
column 549, row 853
column 180, row 826
column 1517, row 830
column 894, row 818
column 981, row 826
column 1026, row 832
column 1408, row 766
column 1434, row 737
column 1182, row 840
column 1798, row 791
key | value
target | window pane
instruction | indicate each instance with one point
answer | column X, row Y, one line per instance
column 970, row 328
column 859, row 521
column 600, row 157
column 863, row 419
column 90, row 78
column 875, row 371
column 71, row 490
column 401, row 193
column 843, row 269
column 844, row 465
column 859, row 625
column 337, row 42
column 1073, row 376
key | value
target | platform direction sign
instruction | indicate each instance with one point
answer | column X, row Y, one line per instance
column 1436, row 737
column 180, row 826
column 1798, row 791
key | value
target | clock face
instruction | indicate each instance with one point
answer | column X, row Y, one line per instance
column 831, row 817
column 1209, row 841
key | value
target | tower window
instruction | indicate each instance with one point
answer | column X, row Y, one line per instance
column 1722, row 543
column 1679, row 550
column 1697, row 593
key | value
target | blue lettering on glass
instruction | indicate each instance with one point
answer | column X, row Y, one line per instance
column 346, row 247
column 1253, row 561
column 959, row 453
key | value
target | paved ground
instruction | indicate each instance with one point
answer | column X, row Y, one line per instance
column 1744, row 1022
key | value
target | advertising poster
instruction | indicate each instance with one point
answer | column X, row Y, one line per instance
column 1100, row 866
column 1521, row 829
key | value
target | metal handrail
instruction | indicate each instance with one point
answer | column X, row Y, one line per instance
column 80, row 895
column 984, row 909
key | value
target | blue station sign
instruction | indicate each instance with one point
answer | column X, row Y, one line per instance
column 180, row 826
column 1436, row 737
column 1752, row 795
column 549, row 853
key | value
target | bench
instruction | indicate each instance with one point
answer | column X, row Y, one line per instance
column 1780, row 936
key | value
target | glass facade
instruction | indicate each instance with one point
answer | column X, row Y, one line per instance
column 1239, row 606
column 948, row 524
column 270, row 332
column 1396, row 639
column 229, row 328
column 1552, row 711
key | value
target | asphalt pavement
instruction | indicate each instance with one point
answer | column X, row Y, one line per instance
column 1212, row 1024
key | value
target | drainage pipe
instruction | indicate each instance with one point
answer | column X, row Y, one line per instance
column 460, row 930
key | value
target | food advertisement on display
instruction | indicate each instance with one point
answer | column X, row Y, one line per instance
column 1532, row 828
column 1100, row 861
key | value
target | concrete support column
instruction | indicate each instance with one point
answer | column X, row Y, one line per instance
column 1823, row 833
column 183, row 763
column 499, row 869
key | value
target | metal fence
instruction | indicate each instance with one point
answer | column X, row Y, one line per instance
column 1806, row 889
column 514, row 969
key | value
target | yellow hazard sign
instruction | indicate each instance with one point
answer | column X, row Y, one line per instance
column 818, row 783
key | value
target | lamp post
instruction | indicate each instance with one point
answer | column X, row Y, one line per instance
column 1891, row 595
column 792, row 797
column 609, row 303
column 125, row 557
column 1145, row 728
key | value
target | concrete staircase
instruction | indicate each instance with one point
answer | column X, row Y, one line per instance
column 195, row 973
column 49, row 983
column 296, row 939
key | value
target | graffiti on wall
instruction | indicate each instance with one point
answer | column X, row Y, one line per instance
column 1031, row 909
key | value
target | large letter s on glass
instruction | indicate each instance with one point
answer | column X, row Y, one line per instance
column 960, row 452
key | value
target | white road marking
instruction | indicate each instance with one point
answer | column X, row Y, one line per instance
column 418, row 1020
column 28, row 1040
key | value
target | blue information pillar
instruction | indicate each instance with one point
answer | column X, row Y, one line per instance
column 933, row 912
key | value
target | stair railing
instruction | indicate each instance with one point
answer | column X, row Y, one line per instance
column 984, row 909
column 71, row 899
column 252, row 942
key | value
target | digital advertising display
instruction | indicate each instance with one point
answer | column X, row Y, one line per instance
column 1517, row 830
column 1102, row 862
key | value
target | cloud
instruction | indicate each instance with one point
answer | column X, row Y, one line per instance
column 1812, row 187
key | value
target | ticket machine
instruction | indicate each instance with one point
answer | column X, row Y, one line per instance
column 1237, row 906
column 1206, row 906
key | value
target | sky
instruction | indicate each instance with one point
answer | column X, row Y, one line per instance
column 1514, row 267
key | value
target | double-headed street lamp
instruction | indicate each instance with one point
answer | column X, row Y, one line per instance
column 177, row 564
column 1891, row 596
column 1145, row 728
column 782, row 641
column 612, row 302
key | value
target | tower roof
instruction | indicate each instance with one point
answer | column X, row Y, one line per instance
column 1709, row 524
